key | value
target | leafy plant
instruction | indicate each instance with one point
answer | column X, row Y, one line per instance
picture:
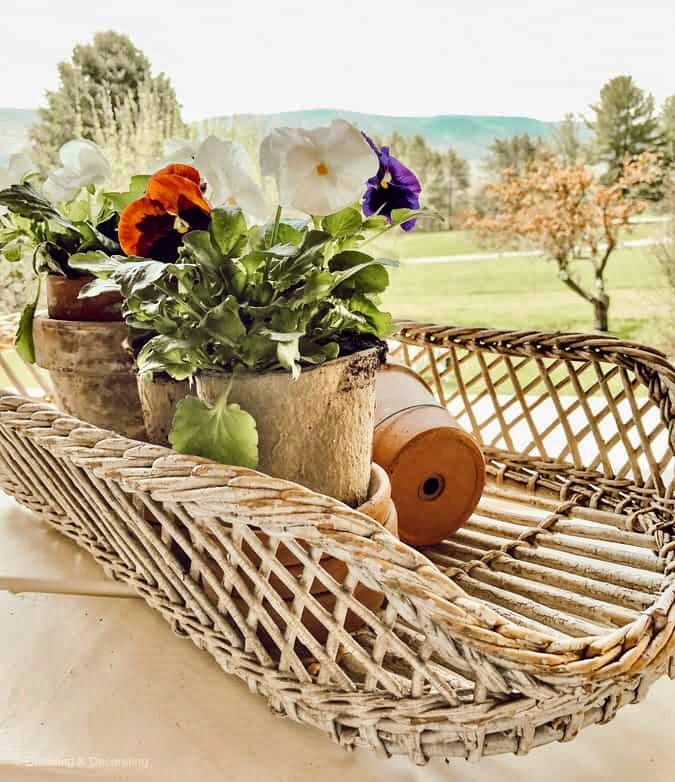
column 282, row 294
column 223, row 432
column 52, row 236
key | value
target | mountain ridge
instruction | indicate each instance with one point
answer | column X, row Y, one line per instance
column 469, row 134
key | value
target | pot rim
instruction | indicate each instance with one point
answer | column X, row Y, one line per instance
column 281, row 370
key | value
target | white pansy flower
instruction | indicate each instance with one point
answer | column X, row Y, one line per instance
column 225, row 166
column 17, row 169
column 318, row 171
column 82, row 164
column 178, row 150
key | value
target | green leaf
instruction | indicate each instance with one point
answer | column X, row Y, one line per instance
column 318, row 285
column 26, row 201
column 223, row 322
column 375, row 223
column 228, row 229
column 224, row 432
column 137, row 274
column 98, row 287
column 363, row 272
column 379, row 323
column 198, row 248
column 399, row 216
column 137, row 186
column 97, row 262
column 166, row 354
column 93, row 239
column 343, row 223
column 23, row 341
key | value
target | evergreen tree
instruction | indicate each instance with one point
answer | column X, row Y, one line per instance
column 624, row 124
column 566, row 142
column 668, row 131
column 109, row 73
column 515, row 154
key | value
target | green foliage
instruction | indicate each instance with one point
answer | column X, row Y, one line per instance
column 667, row 120
column 106, row 79
column 224, row 432
column 515, row 153
column 23, row 342
column 278, row 295
column 48, row 233
column 624, row 124
column 445, row 174
column 567, row 144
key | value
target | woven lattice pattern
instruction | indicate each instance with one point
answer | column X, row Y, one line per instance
column 548, row 611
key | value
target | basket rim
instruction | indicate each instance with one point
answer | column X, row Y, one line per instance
column 137, row 466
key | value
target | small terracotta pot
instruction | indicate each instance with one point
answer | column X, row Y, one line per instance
column 92, row 373
column 316, row 430
column 159, row 395
column 63, row 304
column 437, row 470
column 378, row 506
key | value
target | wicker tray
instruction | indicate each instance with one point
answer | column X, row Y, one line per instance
column 551, row 609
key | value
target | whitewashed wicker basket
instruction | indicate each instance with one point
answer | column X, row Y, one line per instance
column 548, row 611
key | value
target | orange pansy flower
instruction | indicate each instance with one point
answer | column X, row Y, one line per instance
column 173, row 204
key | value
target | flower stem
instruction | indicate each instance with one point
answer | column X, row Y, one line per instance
column 275, row 230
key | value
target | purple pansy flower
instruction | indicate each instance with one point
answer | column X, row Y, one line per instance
column 393, row 187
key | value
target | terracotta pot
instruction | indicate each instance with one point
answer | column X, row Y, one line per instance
column 63, row 304
column 92, row 373
column 437, row 470
column 316, row 430
column 378, row 506
column 159, row 395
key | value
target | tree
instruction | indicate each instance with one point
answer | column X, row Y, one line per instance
column 566, row 213
column 445, row 175
column 667, row 120
column 107, row 74
column 625, row 125
column 566, row 142
column 513, row 154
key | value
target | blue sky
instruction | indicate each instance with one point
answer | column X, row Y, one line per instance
column 416, row 57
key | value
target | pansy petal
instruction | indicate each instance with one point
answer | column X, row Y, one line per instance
column 172, row 191
column 180, row 169
column 137, row 230
column 380, row 200
column 19, row 167
column 402, row 176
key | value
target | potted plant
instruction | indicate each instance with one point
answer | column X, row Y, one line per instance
column 276, row 324
column 80, row 341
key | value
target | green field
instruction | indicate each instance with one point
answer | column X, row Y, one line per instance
column 419, row 245
column 525, row 293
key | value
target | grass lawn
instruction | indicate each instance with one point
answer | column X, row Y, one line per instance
column 398, row 244
column 525, row 293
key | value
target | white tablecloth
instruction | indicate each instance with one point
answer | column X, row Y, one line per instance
column 93, row 685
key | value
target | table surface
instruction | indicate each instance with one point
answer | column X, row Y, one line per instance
column 94, row 685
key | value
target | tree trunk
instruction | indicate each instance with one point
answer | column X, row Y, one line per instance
column 601, row 313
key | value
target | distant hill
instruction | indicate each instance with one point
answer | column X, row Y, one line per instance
column 469, row 135
column 14, row 124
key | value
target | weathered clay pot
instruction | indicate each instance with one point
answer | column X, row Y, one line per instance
column 159, row 395
column 436, row 469
column 92, row 373
column 63, row 304
column 378, row 506
column 316, row 430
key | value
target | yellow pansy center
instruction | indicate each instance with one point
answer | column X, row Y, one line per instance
column 232, row 201
column 180, row 225
column 386, row 179
column 322, row 169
